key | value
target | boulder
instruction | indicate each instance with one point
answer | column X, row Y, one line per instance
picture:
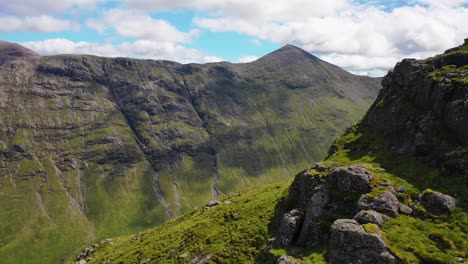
column 436, row 202
column 350, row 179
column 212, row 204
column 351, row 244
column 404, row 209
column 285, row 260
column 369, row 216
column 385, row 203
column 289, row 228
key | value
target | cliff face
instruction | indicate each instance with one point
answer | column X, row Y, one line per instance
column 418, row 94
column 94, row 147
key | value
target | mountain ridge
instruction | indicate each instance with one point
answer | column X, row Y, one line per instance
column 97, row 147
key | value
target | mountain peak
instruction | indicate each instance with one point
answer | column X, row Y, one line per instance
column 286, row 55
column 10, row 51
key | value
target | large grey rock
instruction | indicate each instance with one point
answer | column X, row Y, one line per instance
column 370, row 216
column 285, row 260
column 436, row 202
column 350, row 179
column 351, row 244
column 311, row 233
column 385, row 203
column 289, row 228
column 404, row 209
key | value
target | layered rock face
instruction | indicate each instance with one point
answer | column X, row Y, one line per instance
column 94, row 147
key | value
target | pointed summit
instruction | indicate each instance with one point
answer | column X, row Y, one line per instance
column 287, row 54
column 11, row 51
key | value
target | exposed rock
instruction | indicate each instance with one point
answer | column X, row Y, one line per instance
column 369, row 216
column 212, row 204
column 404, row 209
column 311, row 233
column 350, row 243
column 350, row 179
column 385, row 203
column 401, row 189
column 289, row 228
column 285, row 260
column 436, row 202
column 319, row 167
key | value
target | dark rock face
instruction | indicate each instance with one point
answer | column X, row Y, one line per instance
column 289, row 228
column 320, row 198
column 351, row 179
column 436, row 202
column 350, row 243
column 385, row 203
column 421, row 99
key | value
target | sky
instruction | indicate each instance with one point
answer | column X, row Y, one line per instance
column 363, row 37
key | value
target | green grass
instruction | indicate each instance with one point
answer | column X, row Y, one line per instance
column 233, row 233
column 415, row 240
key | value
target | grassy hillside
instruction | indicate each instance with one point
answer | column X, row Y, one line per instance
column 233, row 232
column 95, row 147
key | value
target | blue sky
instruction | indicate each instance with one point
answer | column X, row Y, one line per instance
column 364, row 37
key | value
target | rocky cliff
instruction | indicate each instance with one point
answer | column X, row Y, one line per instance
column 376, row 198
column 393, row 189
column 94, row 147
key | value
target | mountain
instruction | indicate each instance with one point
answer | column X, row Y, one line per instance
column 392, row 189
column 95, row 147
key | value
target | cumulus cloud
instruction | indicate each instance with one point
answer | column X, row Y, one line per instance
column 39, row 7
column 139, row 25
column 361, row 38
column 139, row 49
column 245, row 59
column 36, row 24
column 275, row 10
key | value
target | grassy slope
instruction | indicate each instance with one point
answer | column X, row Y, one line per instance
column 407, row 237
column 233, row 233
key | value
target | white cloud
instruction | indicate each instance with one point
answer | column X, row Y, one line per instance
column 36, row 24
column 40, row 7
column 139, row 25
column 245, row 59
column 360, row 38
column 274, row 10
column 138, row 49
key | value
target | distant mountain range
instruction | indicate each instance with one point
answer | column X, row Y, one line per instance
column 94, row 147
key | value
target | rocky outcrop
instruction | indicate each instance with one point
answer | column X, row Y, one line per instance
column 436, row 202
column 351, row 179
column 422, row 101
column 385, row 203
column 350, row 243
column 369, row 216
